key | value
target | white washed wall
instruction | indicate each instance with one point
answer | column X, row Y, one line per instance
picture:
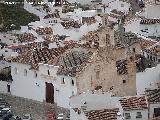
column 147, row 79
column 63, row 92
column 26, row 86
column 3, row 86
column 133, row 114
column 151, row 109
column 152, row 11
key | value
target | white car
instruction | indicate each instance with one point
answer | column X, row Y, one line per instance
column 60, row 116
column 27, row 117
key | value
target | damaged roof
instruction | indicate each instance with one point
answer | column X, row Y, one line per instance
column 73, row 61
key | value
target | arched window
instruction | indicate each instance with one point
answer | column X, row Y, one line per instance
column 15, row 70
column 25, row 72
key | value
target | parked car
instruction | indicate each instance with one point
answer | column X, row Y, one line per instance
column 5, row 111
column 51, row 116
column 60, row 116
column 27, row 117
column 7, row 116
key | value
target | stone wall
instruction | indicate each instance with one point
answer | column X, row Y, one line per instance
column 108, row 78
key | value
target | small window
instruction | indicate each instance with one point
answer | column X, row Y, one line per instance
column 124, row 81
column 35, row 74
column 63, row 80
column 25, row 72
column 48, row 72
column 73, row 82
column 158, row 60
column 8, row 88
column 134, row 50
column 15, row 70
column 127, row 116
column 139, row 115
column 122, row 5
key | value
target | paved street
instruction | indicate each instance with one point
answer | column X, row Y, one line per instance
column 38, row 110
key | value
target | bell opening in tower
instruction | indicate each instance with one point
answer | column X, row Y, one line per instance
column 58, row 2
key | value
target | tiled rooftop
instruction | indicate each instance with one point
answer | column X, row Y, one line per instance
column 73, row 61
column 53, row 15
column 40, row 55
column 147, row 43
column 88, row 20
column 43, row 31
column 153, row 96
column 150, row 21
column 51, row 38
column 70, row 24
column 133, row 103
column 91, row 37
column 106, row 114
column 26, row 37
column 155, row 50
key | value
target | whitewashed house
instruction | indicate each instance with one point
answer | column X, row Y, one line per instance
column 150, row 78
column 109, row 5
column 149, row 23
column 35, row 72
column 33, row 80
column 66, row 85
column 94, row 105
column 153, row 103
column 134, row 108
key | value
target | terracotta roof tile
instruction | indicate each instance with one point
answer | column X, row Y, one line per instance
column 150, row 21
column 106, row 114
column 70, row 24
column 46, row 30
column 134, row 103
column 88, row 20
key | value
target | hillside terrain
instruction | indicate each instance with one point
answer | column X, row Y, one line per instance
column 14, row 16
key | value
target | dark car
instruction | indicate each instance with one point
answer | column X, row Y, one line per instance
column 7, row 116
column 4, row 111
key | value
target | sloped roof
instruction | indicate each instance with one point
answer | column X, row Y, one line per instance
column 53, row 15
column 106, row 114
column 73, row 61
column 40, row 55
column 153, row 96
column 133, row 103
column 150, row 21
